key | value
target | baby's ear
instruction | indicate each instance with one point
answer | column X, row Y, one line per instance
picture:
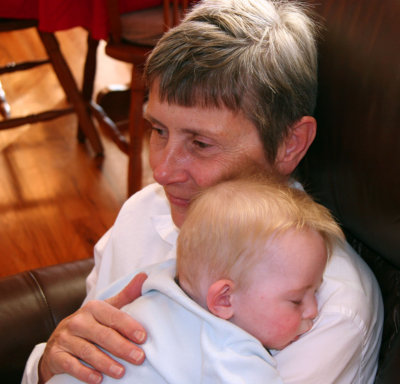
column 219, row 298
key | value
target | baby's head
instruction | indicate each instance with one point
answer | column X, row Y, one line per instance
column 253, row 251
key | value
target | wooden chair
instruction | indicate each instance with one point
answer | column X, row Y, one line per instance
column 66, row 79
column 132, row 37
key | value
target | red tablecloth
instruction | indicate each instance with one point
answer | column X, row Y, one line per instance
column 56, row 15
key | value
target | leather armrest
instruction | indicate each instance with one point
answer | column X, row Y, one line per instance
column 32, row 304
column 388, row 372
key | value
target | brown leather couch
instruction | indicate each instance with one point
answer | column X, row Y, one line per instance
column 353, row 167
column 31, row 304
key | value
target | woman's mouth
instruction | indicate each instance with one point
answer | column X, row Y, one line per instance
column 177, row 201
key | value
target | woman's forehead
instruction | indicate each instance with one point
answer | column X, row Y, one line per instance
column 198, row 117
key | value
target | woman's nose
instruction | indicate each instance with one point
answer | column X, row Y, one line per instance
column 169, row 165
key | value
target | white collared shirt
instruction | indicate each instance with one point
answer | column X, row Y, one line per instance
column 341, row 348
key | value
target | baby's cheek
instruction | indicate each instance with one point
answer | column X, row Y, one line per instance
column 288, row 327
column 291, row 325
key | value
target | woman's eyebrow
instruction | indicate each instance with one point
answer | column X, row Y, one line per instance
column 152, row 119
column 192, row 131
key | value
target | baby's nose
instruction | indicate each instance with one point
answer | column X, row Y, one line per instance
column 311, row 309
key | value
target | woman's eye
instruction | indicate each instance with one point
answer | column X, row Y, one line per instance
column 158, row 131
column 201, row 144
column 296, row 302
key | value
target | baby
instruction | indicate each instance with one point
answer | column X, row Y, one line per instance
column 250, row 259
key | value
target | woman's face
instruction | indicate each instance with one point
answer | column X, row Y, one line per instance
column 192, row 148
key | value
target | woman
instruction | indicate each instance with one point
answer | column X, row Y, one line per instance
column 232, row 88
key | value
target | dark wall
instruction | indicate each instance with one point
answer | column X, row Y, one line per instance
column 354, row 165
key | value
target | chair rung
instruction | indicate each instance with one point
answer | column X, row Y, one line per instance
column 109, row 127
column 35, row 118
column 13, row 67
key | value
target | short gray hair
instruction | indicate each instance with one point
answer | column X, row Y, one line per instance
column 257, row 57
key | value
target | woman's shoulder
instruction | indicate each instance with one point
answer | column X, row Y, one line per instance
column 350, row 286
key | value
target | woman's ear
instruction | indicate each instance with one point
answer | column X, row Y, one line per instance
column 295, row 145
column 219, row 298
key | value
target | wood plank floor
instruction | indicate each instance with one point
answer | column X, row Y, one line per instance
column 56, row 199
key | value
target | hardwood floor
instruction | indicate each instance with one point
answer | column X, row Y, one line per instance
column 56, row 198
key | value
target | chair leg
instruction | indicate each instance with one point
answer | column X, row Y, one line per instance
column 89, row 74
column 135, row 132
column 70, row 87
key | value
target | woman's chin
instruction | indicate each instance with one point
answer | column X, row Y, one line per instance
column 178, row 216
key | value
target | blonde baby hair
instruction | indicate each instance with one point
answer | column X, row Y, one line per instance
column 228, row 224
